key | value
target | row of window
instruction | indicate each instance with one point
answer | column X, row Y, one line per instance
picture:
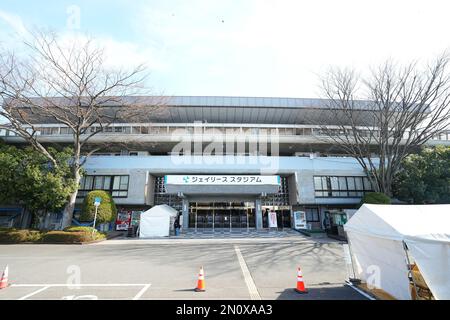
column 341, row 187
column 117, row 186
column 207, row 130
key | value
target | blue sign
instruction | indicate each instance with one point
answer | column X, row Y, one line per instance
column 97, row 201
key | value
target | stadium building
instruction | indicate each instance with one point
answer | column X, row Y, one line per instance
column 223, row 162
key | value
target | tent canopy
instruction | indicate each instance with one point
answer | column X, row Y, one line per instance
column 377, row 232
column 160, row 211
column 398, row 221
column 156, row 222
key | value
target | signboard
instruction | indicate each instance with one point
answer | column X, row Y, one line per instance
column 97, row 201
column 123, row 220
column 299, row 220
column 272, row 219
column 221, row 180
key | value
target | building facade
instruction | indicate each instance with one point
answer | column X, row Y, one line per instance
column 223, row 162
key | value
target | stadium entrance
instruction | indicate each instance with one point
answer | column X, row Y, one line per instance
column 222, row 215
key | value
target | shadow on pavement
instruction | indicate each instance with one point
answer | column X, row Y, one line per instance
column 322, row 293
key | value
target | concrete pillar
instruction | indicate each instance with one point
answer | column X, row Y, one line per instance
column 185, row 212
column 258, row 214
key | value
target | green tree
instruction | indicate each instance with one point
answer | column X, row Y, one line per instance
column 375, row 198
column 425, row 177
column 107, row 210
column 29, row 179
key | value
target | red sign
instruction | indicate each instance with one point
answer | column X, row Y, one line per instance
column 123, row 220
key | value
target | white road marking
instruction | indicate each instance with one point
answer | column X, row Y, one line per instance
column 254, row 294
column 82, row 285
column 85, row 297
column 359, row 290
column 45, row 286
column 140, row 293
column 33, row 293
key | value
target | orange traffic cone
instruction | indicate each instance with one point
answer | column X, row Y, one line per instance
column 201, row 281
column 4, row 279
column 300, row 284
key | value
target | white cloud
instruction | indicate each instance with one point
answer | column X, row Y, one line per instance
column 15, row 22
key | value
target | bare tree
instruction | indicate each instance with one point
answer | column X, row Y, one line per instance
column 382, row 118
column 69, row 84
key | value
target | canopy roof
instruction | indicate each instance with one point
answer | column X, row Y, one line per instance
column 398, row 222
column 159, row 211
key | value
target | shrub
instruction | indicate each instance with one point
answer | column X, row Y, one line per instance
column 34, row 236
column 18, row 236
column 71, row 237
column 83, row 234
column 375, row 198
column 78, row 229
column 107, row 210
column 65, row 237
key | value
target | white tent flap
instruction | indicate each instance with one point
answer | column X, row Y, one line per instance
column 376, row 234
column 378, row 262
column 434, row 270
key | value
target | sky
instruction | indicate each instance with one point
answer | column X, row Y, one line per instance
column 273, row 48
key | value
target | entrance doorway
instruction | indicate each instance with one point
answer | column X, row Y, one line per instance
column 283, row 216
column 222, row 215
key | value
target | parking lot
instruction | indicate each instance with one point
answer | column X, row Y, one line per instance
column 168, row 269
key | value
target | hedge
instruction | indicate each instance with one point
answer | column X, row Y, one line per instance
column 78, row 228
column 375, row 198
column 17, row 236
column 73, row 235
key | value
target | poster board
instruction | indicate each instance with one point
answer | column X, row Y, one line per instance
column 272, row 219
column 300, row 220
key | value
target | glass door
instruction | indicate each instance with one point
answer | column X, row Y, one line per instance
column 204, row 218
column 235, row 218
column 219, row 219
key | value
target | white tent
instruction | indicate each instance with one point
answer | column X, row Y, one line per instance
column 376, row 234
column 157, row 221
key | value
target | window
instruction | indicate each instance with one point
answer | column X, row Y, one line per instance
column 96, row 129
column 49, row 131
column 65, row 130
column 136, row 130
column 312, row 215
column 120, row 186
column 116, row 185
column 341, row 187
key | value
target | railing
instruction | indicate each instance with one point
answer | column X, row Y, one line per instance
column 212, row 129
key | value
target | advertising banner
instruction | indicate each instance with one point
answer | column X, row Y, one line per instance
column 272, row 219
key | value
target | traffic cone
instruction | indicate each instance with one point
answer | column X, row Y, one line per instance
column 300, row 284
column 201, row 281
column 4, row 279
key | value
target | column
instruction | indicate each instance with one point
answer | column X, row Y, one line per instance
column 258, row 214
column 185, row 212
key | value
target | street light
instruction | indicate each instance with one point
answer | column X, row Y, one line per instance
column 97, row 202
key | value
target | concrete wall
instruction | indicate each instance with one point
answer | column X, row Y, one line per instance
column 300, row 169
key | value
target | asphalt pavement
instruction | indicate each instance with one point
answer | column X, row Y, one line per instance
column 168, row 269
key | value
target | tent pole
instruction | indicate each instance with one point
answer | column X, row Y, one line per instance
column 409, row 268
column 351, row 259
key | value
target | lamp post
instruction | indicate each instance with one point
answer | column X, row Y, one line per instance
column 97, row 202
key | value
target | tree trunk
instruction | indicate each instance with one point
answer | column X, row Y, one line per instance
column 70, row 206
